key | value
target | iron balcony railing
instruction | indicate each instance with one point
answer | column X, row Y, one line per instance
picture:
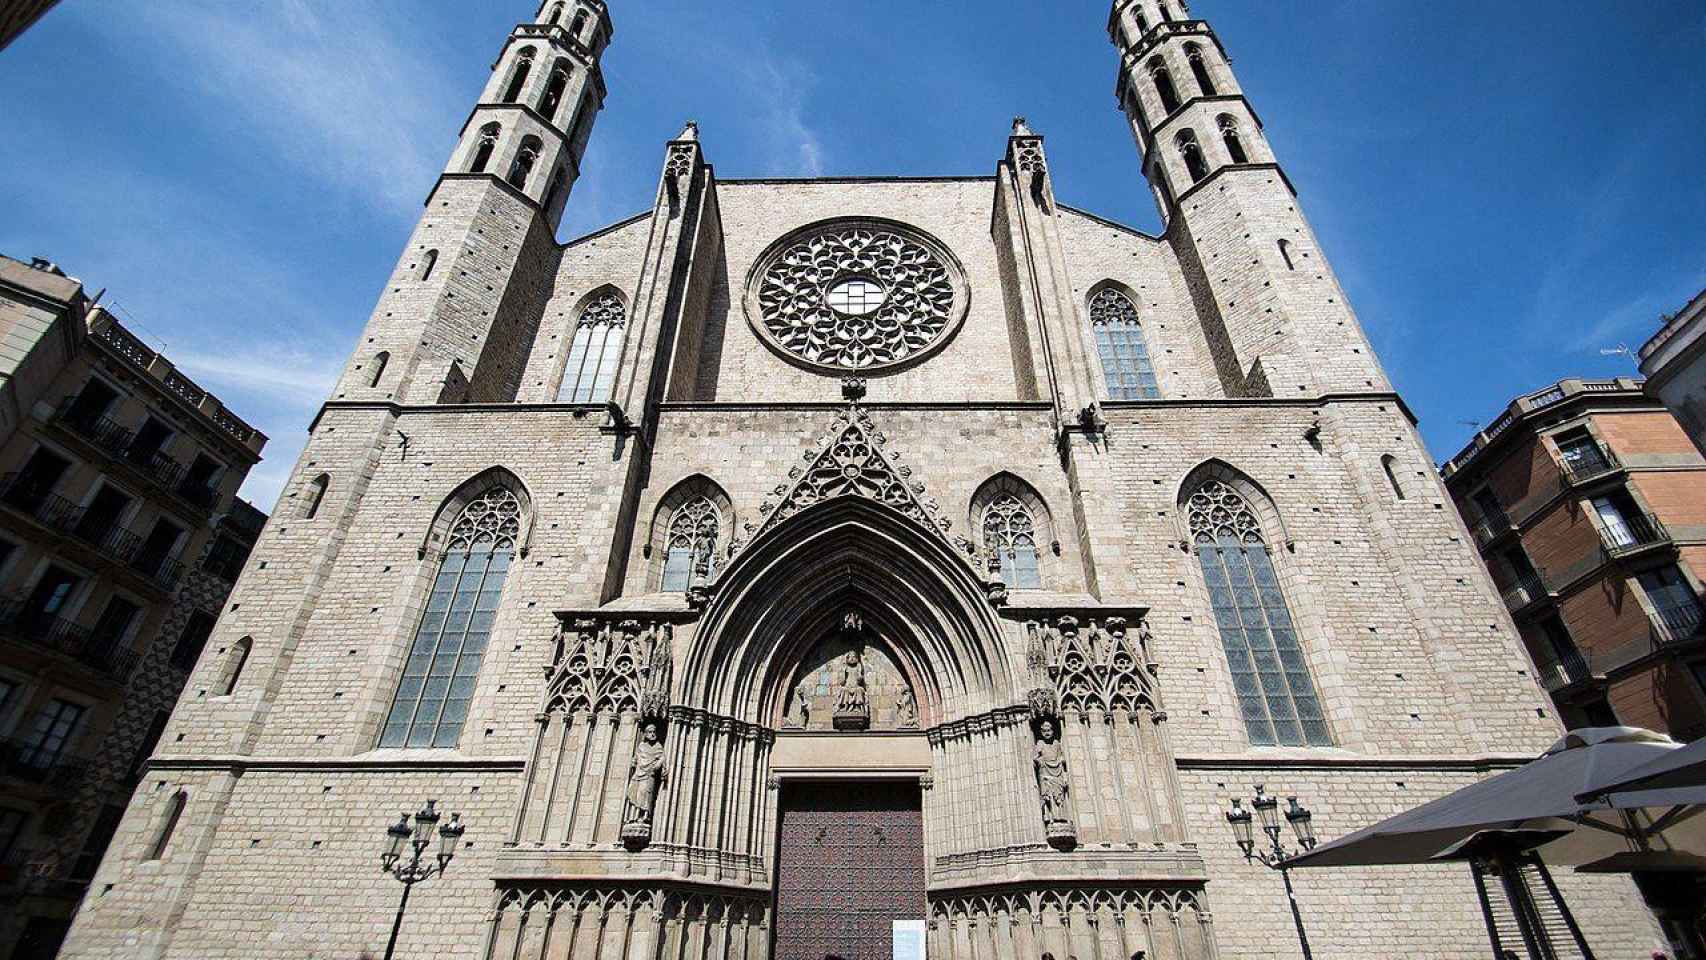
column 1580, row 470
column 111, row 543
column 1528, row 590
column 119, row 443
column 1638, row 532
column 1492, row 526
column 95, row 649
column 1563, row 670
column 1677, row 624
column 22, row 760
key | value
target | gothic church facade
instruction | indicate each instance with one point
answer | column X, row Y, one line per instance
column 797, row 556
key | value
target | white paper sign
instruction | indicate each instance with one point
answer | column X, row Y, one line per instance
column 909, row 940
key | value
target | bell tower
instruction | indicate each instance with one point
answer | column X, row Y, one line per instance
column 459, row 311
column 1275, row 316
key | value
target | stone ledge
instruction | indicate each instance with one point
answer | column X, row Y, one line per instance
column 1034, row 864
column 1342, row 760
column 376, row 760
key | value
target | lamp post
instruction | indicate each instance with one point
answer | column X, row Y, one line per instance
column 1267, row 810
column 402, row 857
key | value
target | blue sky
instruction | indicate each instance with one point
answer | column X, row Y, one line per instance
column 1504, row 188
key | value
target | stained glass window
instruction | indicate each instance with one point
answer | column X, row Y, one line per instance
column 1276, row 695
column 1119, row 339
column 444, row 660
column 597, row 347
column 692, row 543
column 1011, row 534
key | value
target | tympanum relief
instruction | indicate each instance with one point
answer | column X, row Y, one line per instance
column 849, row 682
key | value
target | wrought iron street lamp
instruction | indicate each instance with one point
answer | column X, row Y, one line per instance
column 1266, row 807
column 404, row 848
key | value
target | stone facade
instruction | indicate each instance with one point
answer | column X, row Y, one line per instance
column 120, row 536
column 620, row 608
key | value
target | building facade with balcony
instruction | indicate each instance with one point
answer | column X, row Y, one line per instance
column 1587, row 501
column 120, row 537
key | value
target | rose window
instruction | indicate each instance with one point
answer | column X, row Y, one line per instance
column 856, row 295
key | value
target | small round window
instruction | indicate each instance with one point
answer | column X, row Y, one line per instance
column 855, row 296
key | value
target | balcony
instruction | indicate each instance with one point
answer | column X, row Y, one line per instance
column 20, row 761
column 1563, row 670
column 110, row 543
column 1528, row 591
column 117, row 444
column 1491, row 527
column 1677, row 625
column 1597, row 464
column 100, row 653
column 1639, row 534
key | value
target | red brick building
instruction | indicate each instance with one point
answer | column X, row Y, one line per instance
column 1588, row 503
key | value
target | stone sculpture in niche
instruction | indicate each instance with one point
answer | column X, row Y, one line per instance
column 801, row 715
column 1052, row 783
column 852, row 705
column 643, row 782
column 906, row 710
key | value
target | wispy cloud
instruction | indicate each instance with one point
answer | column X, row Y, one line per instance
column 328, row 87
column 304, row 376
column 779, row 88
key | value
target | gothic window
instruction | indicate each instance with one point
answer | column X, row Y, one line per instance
column 555, row 15
column 1119, row 340
column 690, row 545
column 444, row 659
column 1191, row 152
column 579, row 25
column 1010, row 534
column 1164, row 85
column 522, row 166
column 591, row 369
column 558, row 178
column 1142, row 24
column 518, row 79
column 552, row 98
column 235, row 659
column 169, row 826
column 1285, row 254
column 1269, row 676
column 380, row 360
column 483, row 152
column 316, row 494
column 1229, row 134
column 428, row 262
column 1199, row 69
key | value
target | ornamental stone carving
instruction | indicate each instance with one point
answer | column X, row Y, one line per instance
column 857, row 294
column 852, row 705
column 1054, row 786
column 643, row 780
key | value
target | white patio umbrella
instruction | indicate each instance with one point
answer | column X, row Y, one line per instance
column 1506, row 825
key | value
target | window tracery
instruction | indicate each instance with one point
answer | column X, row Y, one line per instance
column 1119, row 340
column 1270, row 678
column 1010, row 534
column 690, row 545
column 590, row 372
column 444, row 660
column 856, row 295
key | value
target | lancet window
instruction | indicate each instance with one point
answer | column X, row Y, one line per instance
column 1011, row 535
column 597, row 347
column 1229, row 136
column 444, row 659
column 1119, row 341
column 691, row 543
column 1276, row 695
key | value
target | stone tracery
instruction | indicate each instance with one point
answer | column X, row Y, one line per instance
column 792, row 307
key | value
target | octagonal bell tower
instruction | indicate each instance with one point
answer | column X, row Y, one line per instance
column 1274, row 314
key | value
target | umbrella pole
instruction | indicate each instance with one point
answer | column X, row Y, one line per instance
column 1563, row 908
column 1522, row 908
column 1479, row 872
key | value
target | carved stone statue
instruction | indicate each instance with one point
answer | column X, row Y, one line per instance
column 852, row 703
column 906, row 709
column 1052, row 782
column 643, row 782
column 801, row 715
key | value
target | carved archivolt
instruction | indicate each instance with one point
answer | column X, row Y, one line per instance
column 907, row 295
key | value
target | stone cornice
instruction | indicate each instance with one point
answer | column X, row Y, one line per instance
column 1344, row 760
column 389, row 760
